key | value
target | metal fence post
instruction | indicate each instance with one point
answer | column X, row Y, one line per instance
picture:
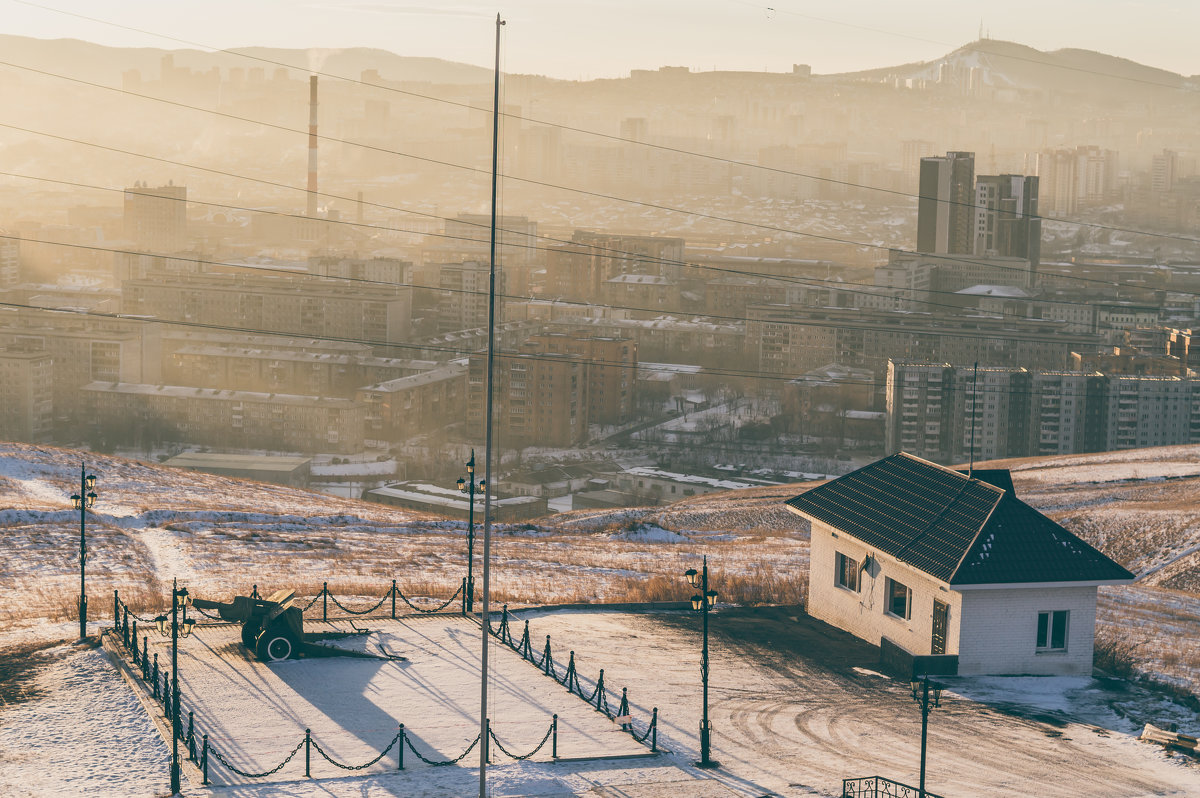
column 116, row 610
column 393, row 599
column 204, row 760
column 324, row 601
column 154, row 678
column 254, row 592
column 400, row 756
column 308, row 753
column 145, row 657
column 133, row 640
column 654, row 731
column 487, row 733
column 554, row 738
column 191, row 735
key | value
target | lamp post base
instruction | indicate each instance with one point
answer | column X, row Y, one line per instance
column 707, row 764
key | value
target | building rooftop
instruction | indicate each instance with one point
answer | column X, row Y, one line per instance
column 241, row 462
column 960, row 530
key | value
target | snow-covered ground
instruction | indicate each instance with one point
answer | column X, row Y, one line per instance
column 788, row 722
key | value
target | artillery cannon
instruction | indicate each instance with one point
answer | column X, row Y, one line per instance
column 271, row 627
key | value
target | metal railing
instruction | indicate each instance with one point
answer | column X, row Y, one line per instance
column 879, row 787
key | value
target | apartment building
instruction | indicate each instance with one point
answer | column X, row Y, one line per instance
column 409, row 406
column 791, row 340
column 939, row 411
column 132, row 413
column 26, row 394
column 288, row 305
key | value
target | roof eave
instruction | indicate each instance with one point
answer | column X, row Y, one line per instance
column 1028, row 585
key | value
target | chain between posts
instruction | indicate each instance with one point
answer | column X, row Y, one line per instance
column 382, row 754
column 262, row 775
column 436, row 763
column 570, row 678
column 520, row 757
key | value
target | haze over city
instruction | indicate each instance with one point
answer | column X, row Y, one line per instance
column 754, row 372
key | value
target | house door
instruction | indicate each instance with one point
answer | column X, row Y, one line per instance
column 941, row 615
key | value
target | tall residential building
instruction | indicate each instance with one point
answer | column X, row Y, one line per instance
column 1071, row 179
column 10, row 262
column 1163, row 171
column 578, row 270
column 26, row 394
column 539, row 397
column 156, row 218
column 610, row 373
column 938, row 411
column 1006, row 218
column 945, row 209
column 463, row 295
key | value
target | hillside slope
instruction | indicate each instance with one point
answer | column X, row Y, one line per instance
column 220, row 536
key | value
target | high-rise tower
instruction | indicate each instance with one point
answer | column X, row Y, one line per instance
column 945, row 209
column 1006, row 217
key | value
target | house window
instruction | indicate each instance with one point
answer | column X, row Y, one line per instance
column 1052, row 630
column 846, row 574
column 899, row 599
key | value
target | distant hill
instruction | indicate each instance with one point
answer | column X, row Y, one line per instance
column 1016, row 66
column 107, row 63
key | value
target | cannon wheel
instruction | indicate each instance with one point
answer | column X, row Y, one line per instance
column 249, row 635
column 275, row 644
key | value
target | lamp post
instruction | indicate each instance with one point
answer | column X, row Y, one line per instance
column 175, row 629
column 81, row 501
column 702, row 603
column 920, row 693
column 468, row 486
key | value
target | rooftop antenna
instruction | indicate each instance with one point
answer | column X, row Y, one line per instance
column 487, row 491
column 974, row 403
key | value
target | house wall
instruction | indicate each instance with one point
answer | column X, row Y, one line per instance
column 999, row 631
column 862, row 613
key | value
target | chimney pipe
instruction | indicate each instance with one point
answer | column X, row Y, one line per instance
column 312, row 145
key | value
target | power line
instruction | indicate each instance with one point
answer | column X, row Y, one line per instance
column 544, row 184
column 953, row 259
column 183, row 258
column 851, row 288
column 506, row 354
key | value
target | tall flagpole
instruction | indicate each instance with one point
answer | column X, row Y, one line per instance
column 487, row 453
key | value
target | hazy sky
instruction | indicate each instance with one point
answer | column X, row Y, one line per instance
column 607, row 38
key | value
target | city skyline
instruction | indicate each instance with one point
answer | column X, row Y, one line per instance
column 712, row 34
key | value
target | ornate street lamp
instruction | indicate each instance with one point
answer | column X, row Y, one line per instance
column 921, row 688
column 702, row 602
column 175, row 628
column 469, row 486
column 82, row 501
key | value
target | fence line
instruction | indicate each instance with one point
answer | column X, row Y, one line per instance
column 570, row 679
column 126, row 632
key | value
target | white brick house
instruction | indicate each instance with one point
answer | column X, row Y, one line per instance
column 939, row 563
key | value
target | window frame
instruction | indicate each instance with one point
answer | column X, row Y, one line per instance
column 1044, row 640
column 889, row 588
column 840, row 572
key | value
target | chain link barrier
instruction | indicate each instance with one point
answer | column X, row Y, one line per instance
column 519, row 757
column 439, row 608
column 363, row 766
column 248, row 775
column 570, row 679
column 437, row 763
column 367, row 611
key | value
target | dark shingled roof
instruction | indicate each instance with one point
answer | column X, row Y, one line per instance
column 959, row 530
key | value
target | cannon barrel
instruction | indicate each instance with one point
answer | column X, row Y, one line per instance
column 240, row 609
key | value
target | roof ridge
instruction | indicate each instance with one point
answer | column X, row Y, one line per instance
column 975, row 538
column 942, row 513
column 947, row 469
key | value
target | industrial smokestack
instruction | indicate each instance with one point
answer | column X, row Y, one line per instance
column 312, row 145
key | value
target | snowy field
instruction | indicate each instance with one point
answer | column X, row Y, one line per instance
column 790, row 719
